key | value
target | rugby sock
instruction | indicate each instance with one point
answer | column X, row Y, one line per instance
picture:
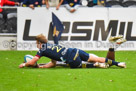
column 111, row 62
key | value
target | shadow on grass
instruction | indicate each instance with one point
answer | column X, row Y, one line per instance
column 64, row 68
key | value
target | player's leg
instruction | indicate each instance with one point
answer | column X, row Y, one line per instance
column 85, row 56
column 93, row 58
column 111, row 54
column 117, row 40
column 90, row 57
column 94, row 65
column 78, row 64
column 75, row 60
column 106, row 60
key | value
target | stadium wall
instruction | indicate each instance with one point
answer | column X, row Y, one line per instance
column 8, row 42
column 87, row 28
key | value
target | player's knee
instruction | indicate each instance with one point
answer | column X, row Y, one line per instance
column 93, row 58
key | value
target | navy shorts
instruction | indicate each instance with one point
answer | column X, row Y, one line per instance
column 83, row 55
column 75, row 58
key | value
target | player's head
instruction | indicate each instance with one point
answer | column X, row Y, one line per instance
column 40, row 39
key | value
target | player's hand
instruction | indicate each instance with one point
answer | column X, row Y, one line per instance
column 57, row 8
column 17, row 3
column 21, row 65
column 47, row 6
column 31, row 6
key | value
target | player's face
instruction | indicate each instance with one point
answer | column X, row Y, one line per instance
column 38, row 44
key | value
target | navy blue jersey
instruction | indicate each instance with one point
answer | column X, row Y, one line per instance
column 52, row 51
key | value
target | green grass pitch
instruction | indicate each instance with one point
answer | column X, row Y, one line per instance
column 114, row 78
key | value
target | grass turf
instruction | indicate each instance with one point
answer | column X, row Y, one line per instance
column 114, row 78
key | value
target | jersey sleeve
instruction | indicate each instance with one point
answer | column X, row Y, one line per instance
column 10, row 3
column 39, row 53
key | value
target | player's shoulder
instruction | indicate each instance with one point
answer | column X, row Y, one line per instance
column 40, row 51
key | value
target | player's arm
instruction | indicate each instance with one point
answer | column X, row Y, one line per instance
column 47, row 3
column 7, row 2
column 61, row 1
column 30, row 63
column 51, row 64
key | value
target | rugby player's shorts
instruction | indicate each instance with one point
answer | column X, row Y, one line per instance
column 75, row 58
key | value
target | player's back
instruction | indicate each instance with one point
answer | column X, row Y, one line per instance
column 52, row 51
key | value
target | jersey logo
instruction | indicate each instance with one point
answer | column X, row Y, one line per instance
column 57, row 48
column 55, row 32
column 64, row 52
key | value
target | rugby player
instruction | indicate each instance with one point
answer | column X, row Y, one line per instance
column 72, row 56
